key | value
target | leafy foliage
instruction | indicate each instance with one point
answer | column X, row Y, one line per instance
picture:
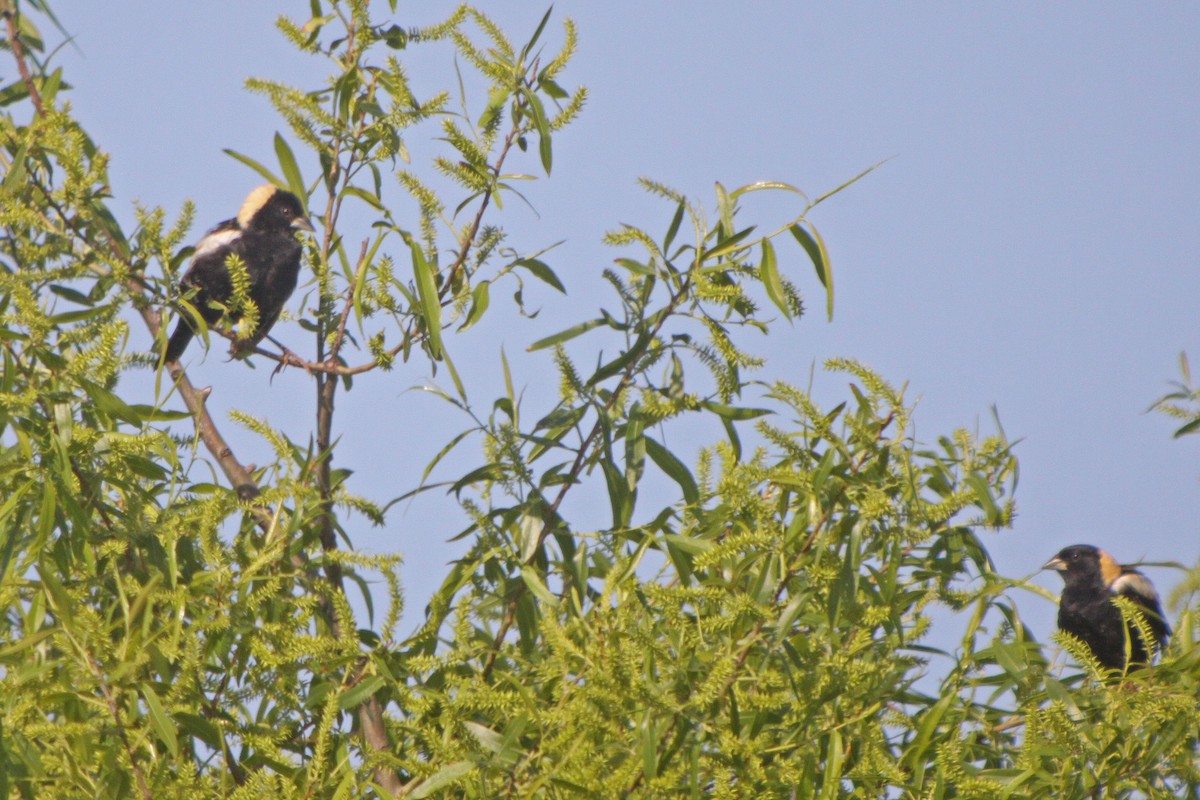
column 753, row 621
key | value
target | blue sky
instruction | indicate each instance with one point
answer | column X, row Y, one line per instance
column 1029, row 242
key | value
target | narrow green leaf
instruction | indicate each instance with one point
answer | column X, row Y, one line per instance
column 768, row 273
column 164, row 726
column 983, row 496
column 254, row 165
column 509, row 392
column 635, row 351
column 355, row 697
column 1190, row 427
column 454, row 376
column 443, row 452
column 618, row 494
column 855, row 179
column 287, row 163
column 495, row 107
column 365, row 196
column 688, row 544
column 431, row 306
column 77, row 315
column 490, row 739
column 537, row 586
column 636, row 267
column 674, row 469
column 564, row 335
column 649, row 748
column 529, row 537
column 724, row 210
column 635, row 449
column 443, row 777
column 760, row 186
column 528, row 48
column 15, row 92
column 673, row 229
column 812, row 243
column 197, row 726
column 110, row 404
column 540, row 122
column 727, row 245
column 479, row 304
column 733, row 412
column 17, row 172
column 542, row 272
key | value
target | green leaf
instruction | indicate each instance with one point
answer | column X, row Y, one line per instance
column 287, row 163
column 495, row 106
column 734, row 413
column 727, row 245
column 564, row 335
column 815, row 247
column 487, row 737
column 254, row 165
column 443, row 777
column 724, row 211
column 635, row 449
column 479, row 305
column 674, row 469
column 528, row 48
column 768, row 273
column 537, row 586
column 164, row 726
column 635, row 351
column 1190, row 427
column 197, row 726
column 542, row 272
column 636, row 267
column 855, row 179
column 110, row 404
column 538, row 112
column 355, row 697
column 365, row 196
column 17, row 172
column 431, row 306
column 760, row 186
column 673, row 229
column 529, row 537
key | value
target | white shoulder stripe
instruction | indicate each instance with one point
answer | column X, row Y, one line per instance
column 214, row 241
column 1134, row 583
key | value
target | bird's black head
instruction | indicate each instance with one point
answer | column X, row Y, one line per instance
column 271, row 209
column 1082, row 563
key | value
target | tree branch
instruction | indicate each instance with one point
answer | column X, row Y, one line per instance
column 9, row 13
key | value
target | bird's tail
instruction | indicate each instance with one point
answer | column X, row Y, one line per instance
column 179, row 340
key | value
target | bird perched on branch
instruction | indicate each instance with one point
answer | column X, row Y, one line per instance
column 263, row 239
column 1087, row 612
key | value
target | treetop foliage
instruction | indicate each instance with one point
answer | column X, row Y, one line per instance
column 753, row 618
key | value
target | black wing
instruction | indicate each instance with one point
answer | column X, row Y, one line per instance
column 1138, row 588
column 208, row 280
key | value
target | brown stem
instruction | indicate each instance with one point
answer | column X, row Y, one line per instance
column 115, row 710
column 9, row 13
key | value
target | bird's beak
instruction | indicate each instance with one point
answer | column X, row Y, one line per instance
column 302, row 224
column 1056, row 564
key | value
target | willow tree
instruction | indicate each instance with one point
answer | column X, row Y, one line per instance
column 751, row 619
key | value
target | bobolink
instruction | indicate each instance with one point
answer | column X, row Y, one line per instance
column 263, row 237
column 1087, row 612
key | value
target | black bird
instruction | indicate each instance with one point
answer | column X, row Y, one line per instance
column 263, row 236
column 1086, row 609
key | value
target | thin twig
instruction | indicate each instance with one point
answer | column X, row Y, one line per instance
column 9, row 12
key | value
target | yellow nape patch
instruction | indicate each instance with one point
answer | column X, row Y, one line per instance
column 1109, row 568
column 256, row 200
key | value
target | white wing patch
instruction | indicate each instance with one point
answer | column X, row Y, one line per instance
column 1134, row 583
column 214, row 241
